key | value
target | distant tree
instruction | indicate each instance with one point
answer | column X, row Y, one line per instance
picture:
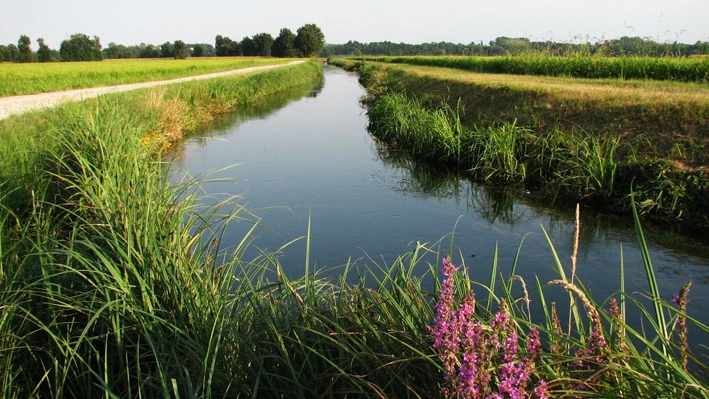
column 235, row 49
column 166, row 50
column 12, row 53
column 44, row 54
column 81, row 48
column 283, row 46
column 226, row 47
column 149, row 51
column 179, row 50
column 309, row 40
column 262, row 44
column 120, row 51
column 24, row 50
column 198, row 50
column 247, row 47
column 220, row 45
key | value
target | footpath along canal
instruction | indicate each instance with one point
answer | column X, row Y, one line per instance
column 313, row 158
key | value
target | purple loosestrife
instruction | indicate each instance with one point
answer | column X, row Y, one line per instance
column 446, row 338
column 473, row 354
column 681, row 301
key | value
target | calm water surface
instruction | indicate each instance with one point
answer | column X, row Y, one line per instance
column 313, row 158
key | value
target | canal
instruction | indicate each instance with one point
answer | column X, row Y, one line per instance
column 308, row 158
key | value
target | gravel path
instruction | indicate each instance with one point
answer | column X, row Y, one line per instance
column 20, row 104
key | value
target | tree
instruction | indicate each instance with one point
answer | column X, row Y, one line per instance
column 44, row 54
column 247, row 47
column 81, row 48
column 166, row 50
column 24, row 50
column 198, row 50
column 226, row 47
column 283, row 46
column 309, row 40
column 11, row 53
column 262, row 44
column 180, row 52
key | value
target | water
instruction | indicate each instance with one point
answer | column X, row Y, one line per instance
column 314, row 159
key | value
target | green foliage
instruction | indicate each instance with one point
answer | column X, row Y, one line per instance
column 284, row 45
column 309, row 40
column 248, row 48
column 81, row 48
column 505, row 46
column 180, row 51
column 9, row 52
column 226, row 47
column 167, row 50
column 44, row 54
column 24, row 50
column 262, row 44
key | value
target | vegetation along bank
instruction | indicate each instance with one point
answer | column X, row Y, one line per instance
column 597, row 140
column 105, row 286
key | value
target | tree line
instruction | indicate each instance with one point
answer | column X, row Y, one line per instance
column 624, row 46
column 308, row 41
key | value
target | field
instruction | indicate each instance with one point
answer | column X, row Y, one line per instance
column 591, row 67
column 114, row 283
column 18, row 79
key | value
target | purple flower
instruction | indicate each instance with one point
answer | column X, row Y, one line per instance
column 472, row 353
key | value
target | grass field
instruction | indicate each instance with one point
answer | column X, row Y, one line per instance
column 18, row 79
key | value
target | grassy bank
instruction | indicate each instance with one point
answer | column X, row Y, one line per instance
column 163, row 115
column 115, row 283
column 572, row 140
column 57, row 76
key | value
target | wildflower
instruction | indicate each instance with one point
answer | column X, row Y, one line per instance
column 471, row 353
column 681, row 302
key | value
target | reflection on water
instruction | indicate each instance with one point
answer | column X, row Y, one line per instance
column 310, row 158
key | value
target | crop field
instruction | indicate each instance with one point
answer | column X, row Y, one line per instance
column 648, row 68
column 19, row 79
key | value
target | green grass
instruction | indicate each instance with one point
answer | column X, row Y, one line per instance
column 21, row 79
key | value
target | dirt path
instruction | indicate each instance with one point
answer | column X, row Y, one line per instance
column 20, row 104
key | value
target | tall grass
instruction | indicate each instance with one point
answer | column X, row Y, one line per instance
column 568, row 166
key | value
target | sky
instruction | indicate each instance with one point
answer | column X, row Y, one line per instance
column 131, row 22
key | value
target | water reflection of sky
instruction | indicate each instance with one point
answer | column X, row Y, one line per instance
column 314, row 159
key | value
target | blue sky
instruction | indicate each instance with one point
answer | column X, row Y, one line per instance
column 411, row 21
